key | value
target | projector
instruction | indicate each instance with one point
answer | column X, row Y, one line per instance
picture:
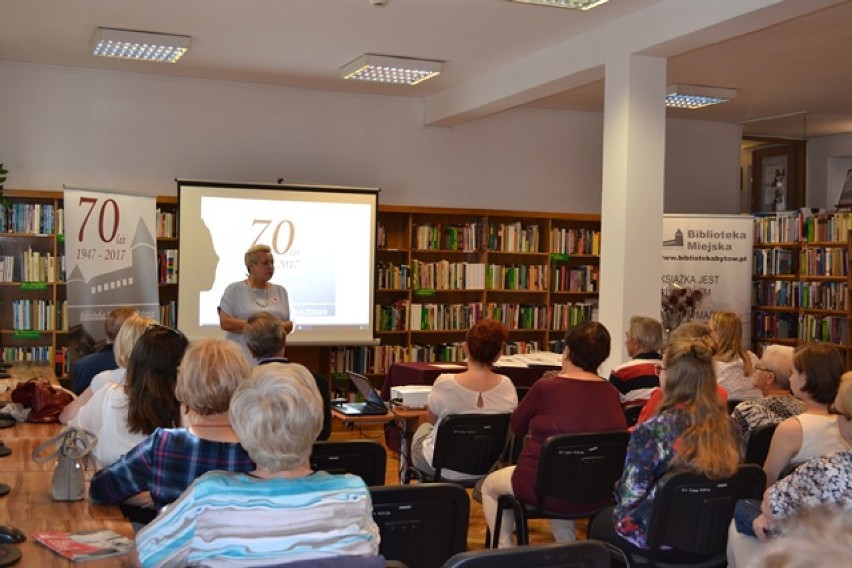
column 412, row 396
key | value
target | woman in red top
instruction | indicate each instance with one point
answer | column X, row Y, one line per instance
column 574, row 401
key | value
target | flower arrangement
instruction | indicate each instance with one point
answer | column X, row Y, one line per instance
column 678, row 304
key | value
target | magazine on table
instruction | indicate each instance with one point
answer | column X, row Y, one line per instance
column 78, row 546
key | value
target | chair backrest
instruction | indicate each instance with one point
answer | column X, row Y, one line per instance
column 632, row 412
column 581, row 468
column 758, row 444
column 421, row 525
column 469, row 443
column 521, row 392
column 580, row 554
column 365, row 458
column 691, row 513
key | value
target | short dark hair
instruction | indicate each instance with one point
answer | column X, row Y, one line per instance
column 485, row 341
column 588, row 345
column 822, row 366
column 264, row 335
column 115, row 319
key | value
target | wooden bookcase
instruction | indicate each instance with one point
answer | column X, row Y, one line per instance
column 801, row 279
column 440, row 269
column 33, row 317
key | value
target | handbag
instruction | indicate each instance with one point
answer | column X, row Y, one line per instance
column 72, row 449
column 44, row 400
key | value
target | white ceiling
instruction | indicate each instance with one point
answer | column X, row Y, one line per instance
column 798, row 67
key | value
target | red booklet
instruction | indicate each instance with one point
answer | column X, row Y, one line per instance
column 84, row 545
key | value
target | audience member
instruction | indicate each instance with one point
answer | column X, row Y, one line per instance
column 575, row 401
column 734, row 363
column 477, row 390
column 131, row 330
column 692, row 429
column 772, row 377
column 266, row 340
column 102, row 360
column 169, row 460
column 636, row 379
column 813, row 433
column 820, row 482
column 279, row 512
column 123, row 415
column 819, row 537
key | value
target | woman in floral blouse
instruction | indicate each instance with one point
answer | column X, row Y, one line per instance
column 691, row 429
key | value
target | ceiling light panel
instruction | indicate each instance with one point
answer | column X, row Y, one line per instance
column 142, row 46
column 583, row 5
column 387, row 69
column 697, row 96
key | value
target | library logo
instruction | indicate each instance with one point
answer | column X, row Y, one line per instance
column 677, row 241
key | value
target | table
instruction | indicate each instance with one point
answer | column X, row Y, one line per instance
column 425, row 374
column 29, row 506
column 408, row 420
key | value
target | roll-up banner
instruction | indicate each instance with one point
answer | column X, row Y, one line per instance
column 110, row 260
column 712, row 253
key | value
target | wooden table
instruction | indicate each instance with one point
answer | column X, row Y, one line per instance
column 29, row 505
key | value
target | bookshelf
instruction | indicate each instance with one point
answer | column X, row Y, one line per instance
column 439, row 270
column 801, row 279
column 33, row 314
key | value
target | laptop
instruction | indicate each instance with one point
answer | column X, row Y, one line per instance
column 374, row 405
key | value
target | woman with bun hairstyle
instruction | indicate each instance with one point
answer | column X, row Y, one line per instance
column 691, row 429
column 479, row 390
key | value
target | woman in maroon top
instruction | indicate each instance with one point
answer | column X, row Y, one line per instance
column 576, row 400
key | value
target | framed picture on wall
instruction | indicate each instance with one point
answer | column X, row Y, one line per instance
column 777, row 178
column 846, row 195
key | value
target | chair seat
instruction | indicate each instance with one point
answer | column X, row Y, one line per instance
column 531, row 511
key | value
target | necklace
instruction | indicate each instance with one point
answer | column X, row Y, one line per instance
column 255, row 295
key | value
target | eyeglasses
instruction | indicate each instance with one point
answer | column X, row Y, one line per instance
column 161, row 326
column 764, row 369
column 659, row 369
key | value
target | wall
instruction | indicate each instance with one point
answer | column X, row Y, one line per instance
column 828, row 160
column 139, row 132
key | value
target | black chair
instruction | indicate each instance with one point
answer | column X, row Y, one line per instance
column 365, row 458
column 580, row 554
column 577, row 468
column 467, row 443
column 421, row 525
column 691, row 514
column 632, row 412
column 522, row 392
column 758, row 444
column 732, row 404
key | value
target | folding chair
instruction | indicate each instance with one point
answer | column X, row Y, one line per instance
column 364, row 458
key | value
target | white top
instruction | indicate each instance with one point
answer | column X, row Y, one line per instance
column 105, row 377
column 241, row 301
column 106, row 416
column 449, row 397
column 731, row 376
column 820, row 437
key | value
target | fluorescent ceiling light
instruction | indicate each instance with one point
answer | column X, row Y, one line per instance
column 144, row 46
column 386, row 69
column 572, row 4
column 697, row 96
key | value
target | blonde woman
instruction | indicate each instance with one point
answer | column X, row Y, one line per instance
column 734, row 363
column 691, row 429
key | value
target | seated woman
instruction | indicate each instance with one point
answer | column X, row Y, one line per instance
column 691, row 429
column 168, row 460
column 772, row 377
column 478, row 390
column 734, row 363
column 129, row 332
column 576, row 400
column 122, row 415
column 822, row 481
column 279, row 512
column 816, row 376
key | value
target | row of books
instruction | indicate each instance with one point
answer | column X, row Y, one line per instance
column 575, row 241
column 804, row 327
column 32, row 219
column 446, row 275
column 517, row 277
column 827, row 227
column 781, row 227
column 518, row 316
column 566, row 316
column 166, row 224
column 583, row 278
column 805, row 295
column 467, row 236
column 28, row 354
column 32, row 266
column 168, row 314
column 773, row 262
column 824, row 261
column 514, row 237
column 167, row 272
column 442, row 317
column 390, row 276
column 42, row 315
column 803, row 225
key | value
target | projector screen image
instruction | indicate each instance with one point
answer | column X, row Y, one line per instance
column 322, row 241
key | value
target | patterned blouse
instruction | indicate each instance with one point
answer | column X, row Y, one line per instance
column 751, row 414
column 823, row 480
column 649, row 456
